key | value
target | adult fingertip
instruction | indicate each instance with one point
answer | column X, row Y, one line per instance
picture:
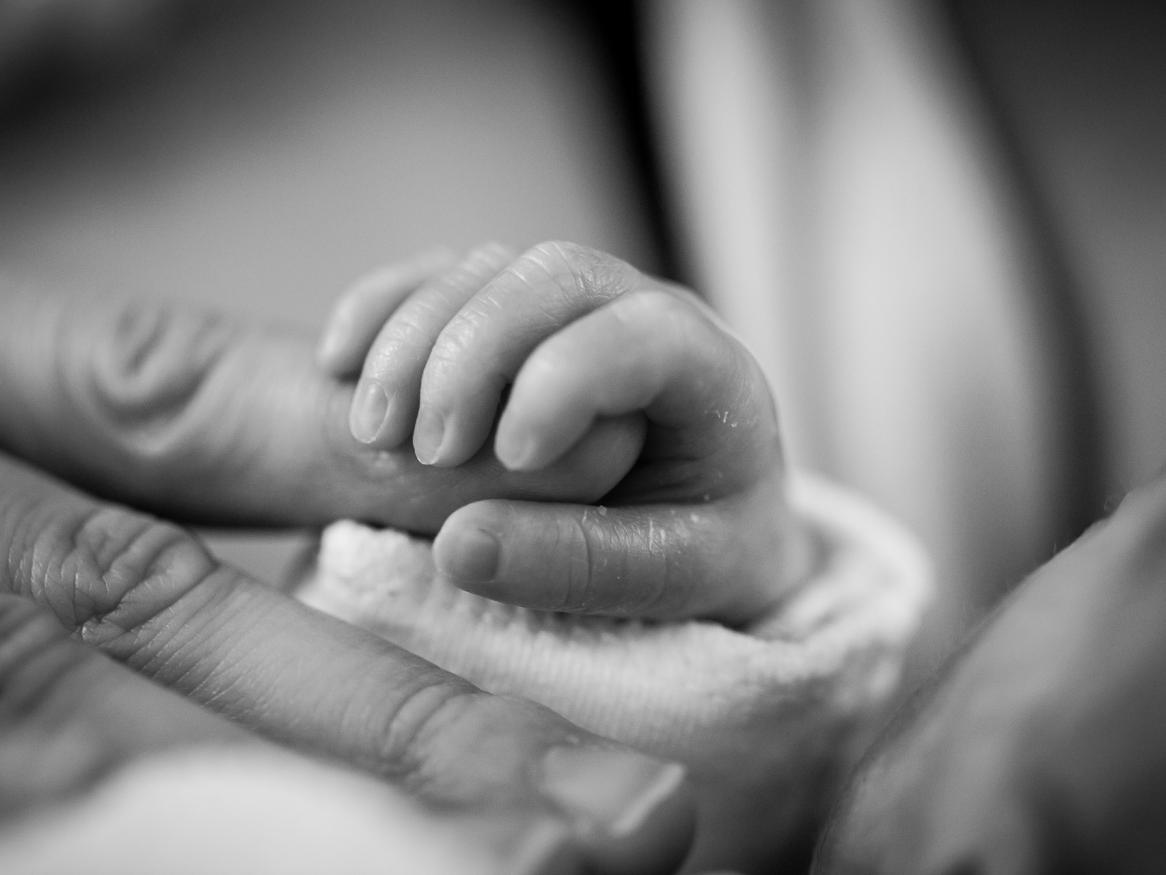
column 632, row 813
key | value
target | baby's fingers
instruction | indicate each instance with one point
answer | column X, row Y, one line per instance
column 384, row 406
column 654, row 351
column 358, row 314
column 481, row 349
column 652, row 561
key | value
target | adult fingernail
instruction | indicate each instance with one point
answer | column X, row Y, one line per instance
column 467, row 555
column 370, row 409
column 616, row 792
column 427, row 436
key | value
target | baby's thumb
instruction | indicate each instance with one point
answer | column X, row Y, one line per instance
column 648, row 561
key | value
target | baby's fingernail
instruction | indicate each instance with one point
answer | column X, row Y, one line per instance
column 370, row 409
column 467, row 555
column 427, row 436
column 620, row 793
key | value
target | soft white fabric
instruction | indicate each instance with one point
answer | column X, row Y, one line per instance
column 759, row 715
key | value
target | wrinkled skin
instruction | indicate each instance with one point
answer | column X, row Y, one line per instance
column 545, row 345
column 1040, row 747
column 119, row 626
column 121, row 635
column 191, row 415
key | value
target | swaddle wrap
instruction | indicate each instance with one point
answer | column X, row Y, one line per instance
column 764, row 717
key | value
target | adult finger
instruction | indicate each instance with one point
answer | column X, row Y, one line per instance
column 384, row 407
column 481, row 348
column 69, row 715
column 360, row 311
column 151, row 597
column 199, row 810
column 77, row 727
column 195, row 417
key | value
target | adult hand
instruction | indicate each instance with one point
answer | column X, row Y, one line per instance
column 1038, row 748
column 156, row 783
column 697, row 526
column 192, row 416
column 185, row 414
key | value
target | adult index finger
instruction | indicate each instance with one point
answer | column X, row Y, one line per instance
column 187, row 414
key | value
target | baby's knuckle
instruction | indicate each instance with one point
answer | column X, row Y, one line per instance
column 409, row 326
column 587, row 565
column 653, row 306
column 553, row 265
column 596, row 275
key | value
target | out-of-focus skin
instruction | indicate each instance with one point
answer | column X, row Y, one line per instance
column 524, row 356
column 185, row 414
column 169, row 786
column 1039, row 747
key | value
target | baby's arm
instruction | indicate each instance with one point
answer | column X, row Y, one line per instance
column 697, row 526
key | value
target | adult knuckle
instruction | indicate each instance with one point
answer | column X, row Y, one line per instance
column 114, row 577
column 419, row 731
column 139, row 371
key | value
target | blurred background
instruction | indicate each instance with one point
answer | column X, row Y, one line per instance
column 938, row 225
column 259, row 156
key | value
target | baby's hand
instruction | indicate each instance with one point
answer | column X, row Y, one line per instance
column 556, row 339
